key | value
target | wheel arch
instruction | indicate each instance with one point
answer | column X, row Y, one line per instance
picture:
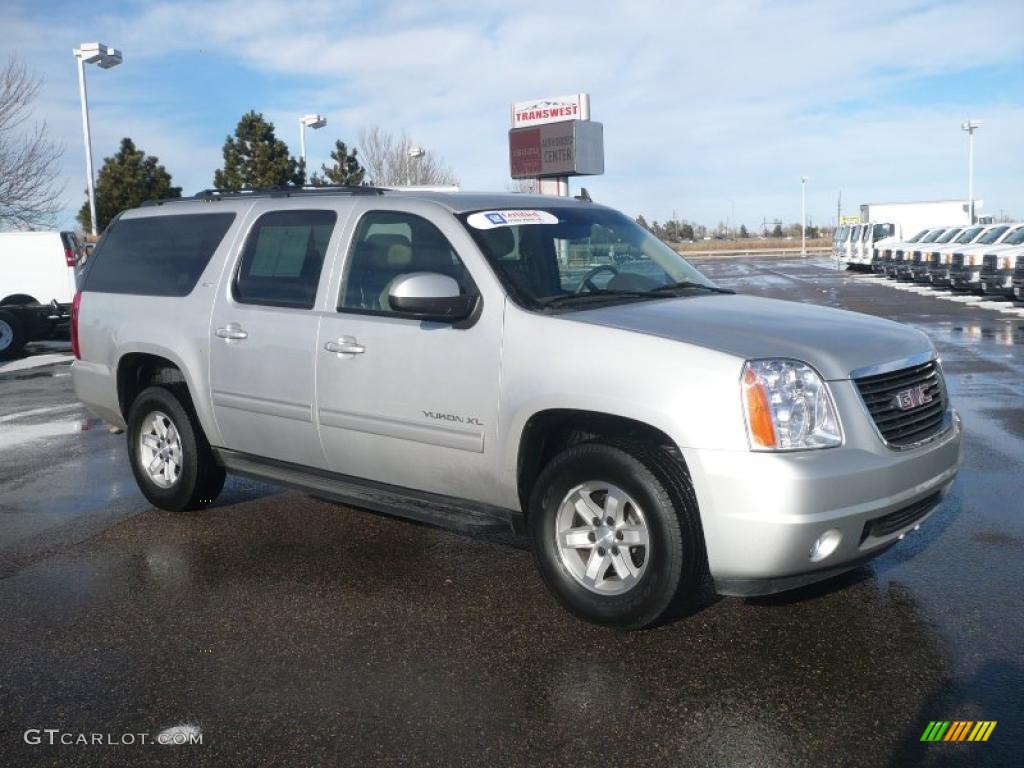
column 137, row 369
column 17, row 299
column 547, row 432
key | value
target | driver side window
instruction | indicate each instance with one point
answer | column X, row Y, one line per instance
column 387, row 245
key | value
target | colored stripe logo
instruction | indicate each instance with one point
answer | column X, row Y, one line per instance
column 958, row 730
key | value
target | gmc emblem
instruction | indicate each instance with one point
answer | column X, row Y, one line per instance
column 906, row 399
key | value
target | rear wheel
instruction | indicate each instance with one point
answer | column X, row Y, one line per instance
column 170, row 457
column 616, row 533
column 12, row 334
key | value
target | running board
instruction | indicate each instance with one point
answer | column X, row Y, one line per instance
column 433, row 509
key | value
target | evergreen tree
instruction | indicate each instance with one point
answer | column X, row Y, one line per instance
column 126, row 180
column 254, row 157
column 777, row 231
column 346, row 168
column 642, row 221
column 743, row 231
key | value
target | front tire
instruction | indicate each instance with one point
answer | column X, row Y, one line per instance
column 170, row 457
column 616, row 533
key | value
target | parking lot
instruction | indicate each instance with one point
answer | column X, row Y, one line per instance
column 292, row 630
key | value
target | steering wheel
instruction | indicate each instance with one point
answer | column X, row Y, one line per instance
column 586, row 282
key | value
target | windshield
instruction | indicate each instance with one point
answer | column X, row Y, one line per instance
column 1014, row 238
column 918, row 236
column 992, row 235
column 931, row 237
column 574, row 255
column 969, row 234
column 949, row 235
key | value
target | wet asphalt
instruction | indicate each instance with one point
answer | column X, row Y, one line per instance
column 292, row 631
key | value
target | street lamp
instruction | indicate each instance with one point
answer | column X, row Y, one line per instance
column 106, row 57
column 308, row 121
column 970, row 126
column 803, row 215
column 415, row 153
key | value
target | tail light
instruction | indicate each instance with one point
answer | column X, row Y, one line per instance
column 69, row 257
column 75, row 307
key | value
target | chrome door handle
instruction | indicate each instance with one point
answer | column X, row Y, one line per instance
column 232, row 331
column 346, row 345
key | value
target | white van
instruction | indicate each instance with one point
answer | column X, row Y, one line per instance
column 37, row 267
column 37, row 286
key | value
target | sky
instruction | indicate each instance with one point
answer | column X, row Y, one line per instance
column 712, row 110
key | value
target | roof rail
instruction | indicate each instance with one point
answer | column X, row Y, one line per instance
column 283, row 190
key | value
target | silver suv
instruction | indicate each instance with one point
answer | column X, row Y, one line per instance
column 538, row 363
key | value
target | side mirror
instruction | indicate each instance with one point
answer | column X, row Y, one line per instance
column 430, row 296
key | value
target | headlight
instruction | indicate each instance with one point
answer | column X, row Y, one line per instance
column 1007, row 262
column 788, row 407
column 973, row 260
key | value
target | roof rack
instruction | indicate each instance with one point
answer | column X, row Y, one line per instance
column 283, row 190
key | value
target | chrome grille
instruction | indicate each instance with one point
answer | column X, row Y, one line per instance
column 958, row 259
column 903, row 428
column 988, row 264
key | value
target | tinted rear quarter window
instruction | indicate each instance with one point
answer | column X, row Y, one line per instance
column 156, row 255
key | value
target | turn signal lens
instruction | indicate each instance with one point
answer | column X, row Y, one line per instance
column 759, row 411
column 787, row 407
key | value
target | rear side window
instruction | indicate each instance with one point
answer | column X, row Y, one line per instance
column 283, row 256
column 157, row 255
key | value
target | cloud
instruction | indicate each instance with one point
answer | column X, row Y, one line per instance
column 707, row 106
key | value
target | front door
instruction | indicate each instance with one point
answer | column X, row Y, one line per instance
column 402, row 401
column 263, row 338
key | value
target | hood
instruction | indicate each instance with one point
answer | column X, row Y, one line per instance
column 834, row 341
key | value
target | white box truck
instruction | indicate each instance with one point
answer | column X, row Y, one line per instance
column 896, row 222
column 37, row 286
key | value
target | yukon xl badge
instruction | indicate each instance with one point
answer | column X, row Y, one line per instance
column 907, row 399
column 452, row 417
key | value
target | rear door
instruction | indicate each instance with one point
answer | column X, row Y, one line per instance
column 264, row 331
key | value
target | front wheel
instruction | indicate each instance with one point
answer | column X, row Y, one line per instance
column 12, row 334
column 170, row 457
column 616, row 532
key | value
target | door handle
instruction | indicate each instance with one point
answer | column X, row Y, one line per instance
column 346, row 345
column 232, row 332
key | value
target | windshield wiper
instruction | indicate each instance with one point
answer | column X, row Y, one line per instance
column 684, row 284
column 604, row 294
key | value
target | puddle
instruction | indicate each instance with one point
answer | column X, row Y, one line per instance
column 18, row 434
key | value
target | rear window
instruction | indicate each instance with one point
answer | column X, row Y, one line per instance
column 157, row 255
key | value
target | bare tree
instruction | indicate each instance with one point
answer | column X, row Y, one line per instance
column 388, row 162
column 29, row 161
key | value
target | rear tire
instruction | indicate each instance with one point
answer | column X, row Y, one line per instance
column 171, row 459
column 12, row 334
column 646, row 562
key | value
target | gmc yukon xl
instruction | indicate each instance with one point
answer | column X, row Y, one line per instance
column 534, row 363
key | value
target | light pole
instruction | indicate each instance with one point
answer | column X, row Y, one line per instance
column 106, row 57
column 308, row 121
column 415, row 153
column 803, row 215
column 970, row 126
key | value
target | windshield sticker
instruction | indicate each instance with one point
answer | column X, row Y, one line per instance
column 494, row 219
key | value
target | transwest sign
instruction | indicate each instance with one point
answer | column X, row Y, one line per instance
column 551, row 110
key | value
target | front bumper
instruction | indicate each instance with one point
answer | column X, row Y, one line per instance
column 763, row 512
column 939, row 275
column 966, row 279
column 998, row 283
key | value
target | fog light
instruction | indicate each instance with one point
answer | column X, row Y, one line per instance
column 825, row 545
